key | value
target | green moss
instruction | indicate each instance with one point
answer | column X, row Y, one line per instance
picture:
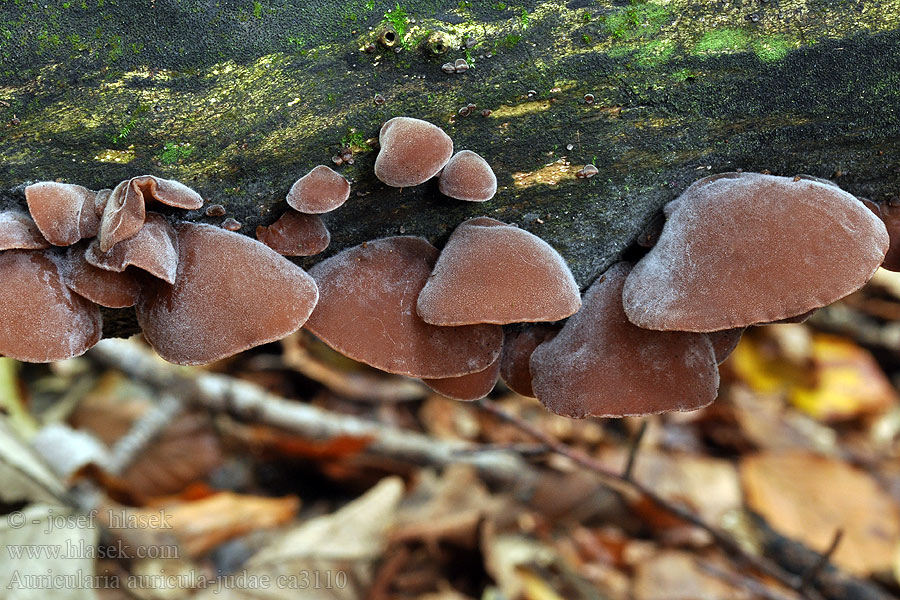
column 510, row 41
column 257, row 9
column 771, row 48
column 722, row 40
column 355, row 141
column 653, row 53
column 637, row 20
column 398, row 19
column 173, row 153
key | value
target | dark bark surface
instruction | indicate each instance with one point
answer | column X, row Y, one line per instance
column 240, row 98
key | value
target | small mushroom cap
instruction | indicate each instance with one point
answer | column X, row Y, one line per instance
column 231, row 293
column 746, row 248
column 468, row 177
column 154, row 249
column 515, row 367
column 367, row 311
column 889, row 213
column 64, row 212
column 123, row 213
column 603, row 366
column 412, row 152
column 467, row 387
column 724, row 342
column 18, row 232
column 106, row 288
column 295, row 234
column 42, row 319
column 490, row 272
column 319, row 191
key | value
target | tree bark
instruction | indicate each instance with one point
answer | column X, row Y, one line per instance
column 239, row 98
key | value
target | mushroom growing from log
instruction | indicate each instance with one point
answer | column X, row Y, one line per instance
column 468, row 177
column 467, row 387
column 412, row 152
column 63, row 212
column 319, row 191
column 602, row 365
column 19, row 232
column 295, row 234
column 746, row 248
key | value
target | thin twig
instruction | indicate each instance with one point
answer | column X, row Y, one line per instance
column 633, row 451
column 808, row 579
column 722, row 539
column 142, row 432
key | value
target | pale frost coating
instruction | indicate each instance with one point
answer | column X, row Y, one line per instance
column 63, row 212
column 319, row 191
column 490, row 272
column 231, row 293
column 18, row 232
column 412, row 152
column 468, row 177
column 42, row 320
column 295, row 234
column 106, row 288
column 467, row 387
column 747, row 248
column 154, row 249
column 367, row 311
column 603, row 366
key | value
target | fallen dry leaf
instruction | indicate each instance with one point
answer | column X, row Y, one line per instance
column 674, row 575
column 808, row 497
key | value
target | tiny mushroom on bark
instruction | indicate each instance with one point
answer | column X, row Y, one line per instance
column 412, row 152
column 107, row 288
column 18, row 232
column 491, row 272
column 367, row 311
column 123, row 214
column 42, row 319
column 746, row 248
column 319, row 191
column 600, row 364
column 217, row 307
column 467, row 387
column 468, row 177
column 154, row 249
column 515, row 367
column 64, row 212
column 295, row 234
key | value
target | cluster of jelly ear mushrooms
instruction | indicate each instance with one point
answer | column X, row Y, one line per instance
column 735, row 250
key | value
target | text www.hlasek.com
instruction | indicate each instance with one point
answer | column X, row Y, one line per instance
column 80, row 549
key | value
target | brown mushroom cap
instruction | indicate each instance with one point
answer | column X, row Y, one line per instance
column 123, row 213
column 467, row 387
column 231, row 293
column 490, row 272
column 106, row 288
column 889, row 213
column 724, row 342
column 467, row 176
column 515, row 367
column 601, row 365
column 319, row 191
column 295, row 234
column 42, row 319
column 367, row 311
column 19, row 232
column 412, row 152
column 747, row 248
column 154, row 249
column 64, row 212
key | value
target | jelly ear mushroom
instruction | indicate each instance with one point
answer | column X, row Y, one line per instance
column 106, row 288
column 154, row 249
column 491, row 272
column 367, row 312
column 889, row 213
column 468, row 177
column 123, row 213
column 319, row 191
column 217, row 308
column 412, row 152
column 63, row 212
column 602, row 365
column 724, row 342
column 18, row 232
column 295, row 234
column 515, row 367
column 746, row 248
column 43, row 320
column 467, row 387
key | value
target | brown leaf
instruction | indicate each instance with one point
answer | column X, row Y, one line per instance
column 808, row 497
